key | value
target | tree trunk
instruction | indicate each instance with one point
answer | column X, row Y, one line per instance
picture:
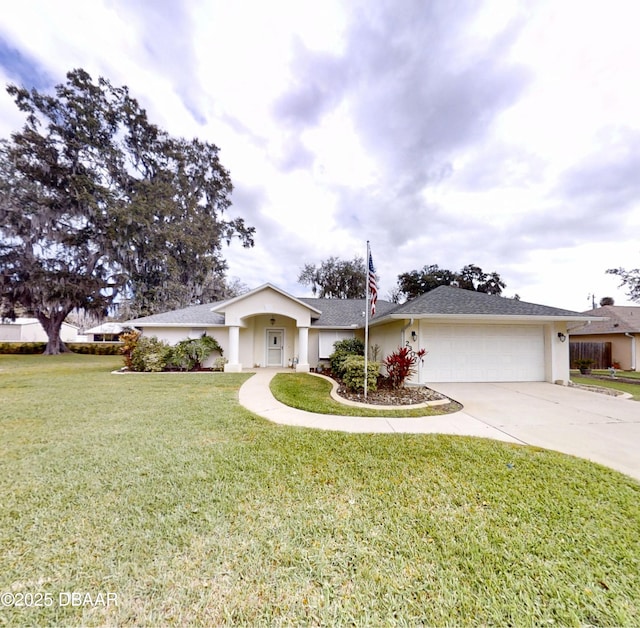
column 52, row 326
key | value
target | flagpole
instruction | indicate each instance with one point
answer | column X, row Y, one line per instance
column 366, row 322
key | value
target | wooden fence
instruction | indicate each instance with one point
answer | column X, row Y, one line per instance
column 599, row 352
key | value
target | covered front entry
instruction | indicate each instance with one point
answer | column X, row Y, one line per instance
column 275, row 347
column 267, row 327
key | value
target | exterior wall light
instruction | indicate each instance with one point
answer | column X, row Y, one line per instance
column 414, row 336
column 561, row 337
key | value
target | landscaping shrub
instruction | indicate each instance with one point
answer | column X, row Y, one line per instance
column 342, row 350
column 87, row 348
column 401, row 364
column 188, row 355
column 14, row 348
column 95, row 348
column 129, row 342
column 353, row 377
column 150, row 355
column 218, row 364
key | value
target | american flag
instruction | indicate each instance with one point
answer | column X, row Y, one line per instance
column 373, row 286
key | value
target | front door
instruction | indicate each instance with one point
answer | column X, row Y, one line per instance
column 274, row 347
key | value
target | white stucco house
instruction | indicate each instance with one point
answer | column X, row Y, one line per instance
column 469, row 336
column 30, row 330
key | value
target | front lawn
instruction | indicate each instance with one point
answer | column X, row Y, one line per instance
column 632, row 389
column 162, row 490
column 619, row 373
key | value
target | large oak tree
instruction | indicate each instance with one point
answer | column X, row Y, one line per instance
column 97, row 203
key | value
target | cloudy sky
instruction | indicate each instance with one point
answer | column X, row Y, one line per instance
column 504, row 134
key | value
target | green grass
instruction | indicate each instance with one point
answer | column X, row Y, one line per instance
column 162, row 489
column 632, row 389
column 625, row 374
column 311, row 393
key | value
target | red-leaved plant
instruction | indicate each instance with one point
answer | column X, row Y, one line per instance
column 401, row 364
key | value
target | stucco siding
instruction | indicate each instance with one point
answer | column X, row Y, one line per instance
column 387, row 338
column 34, row 332
column 556, row 353
column 10, row 333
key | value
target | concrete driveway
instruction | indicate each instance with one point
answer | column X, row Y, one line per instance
column 591, row 425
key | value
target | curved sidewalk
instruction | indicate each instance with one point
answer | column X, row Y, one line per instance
column 255, row 395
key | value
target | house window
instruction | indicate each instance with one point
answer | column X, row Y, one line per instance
column 106, row 337
column 327, row 339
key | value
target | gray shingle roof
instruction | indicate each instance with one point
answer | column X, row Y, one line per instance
column 442, row 301
column 456, row 301
column 622, row 319
column 196, row 315
column 344, row 312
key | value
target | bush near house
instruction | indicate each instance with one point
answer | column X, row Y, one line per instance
column 129, row 341
column 401, row 364
column 189, row 355
column 152, row 355
column 353, row 377
column 342, row 350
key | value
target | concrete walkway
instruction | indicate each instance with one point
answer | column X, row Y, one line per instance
column 598, row 427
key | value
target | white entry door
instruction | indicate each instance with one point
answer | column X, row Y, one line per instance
column 274, row 347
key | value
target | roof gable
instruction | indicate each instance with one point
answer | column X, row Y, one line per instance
column 220, row 307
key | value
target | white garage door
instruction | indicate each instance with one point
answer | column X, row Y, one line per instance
column 483, row 353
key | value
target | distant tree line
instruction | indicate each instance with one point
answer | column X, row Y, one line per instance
column 345, row 279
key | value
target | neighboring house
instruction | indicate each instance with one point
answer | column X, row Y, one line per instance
column 106, row 332
column 621, row 329
column 30, row 330
column 469, row 336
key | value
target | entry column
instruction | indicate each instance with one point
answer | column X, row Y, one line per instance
column 233, row 365
column 303, row 350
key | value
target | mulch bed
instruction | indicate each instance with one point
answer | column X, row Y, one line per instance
column 387, row 396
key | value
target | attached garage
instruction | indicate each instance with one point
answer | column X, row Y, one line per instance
column 474, row 337
column 483, row 353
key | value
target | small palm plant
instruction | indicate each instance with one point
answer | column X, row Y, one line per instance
column 584, row 365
